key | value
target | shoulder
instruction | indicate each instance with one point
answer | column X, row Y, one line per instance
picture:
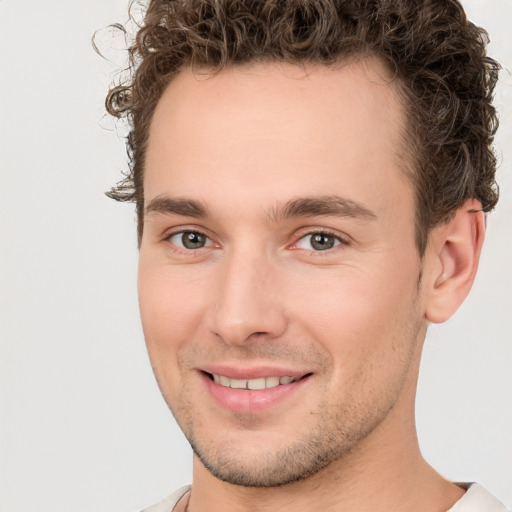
column 168, row 504
column 477, row 499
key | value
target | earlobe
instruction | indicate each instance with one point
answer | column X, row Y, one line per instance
column 454, row 252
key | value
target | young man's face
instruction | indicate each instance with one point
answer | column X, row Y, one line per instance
column 279, row 244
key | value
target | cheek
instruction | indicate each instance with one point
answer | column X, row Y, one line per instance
column 365, row 321
column 171, row 307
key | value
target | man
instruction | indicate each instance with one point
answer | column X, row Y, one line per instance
column 311, row 181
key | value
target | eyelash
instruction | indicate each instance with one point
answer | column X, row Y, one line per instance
column 183, row 250
column 339, row 242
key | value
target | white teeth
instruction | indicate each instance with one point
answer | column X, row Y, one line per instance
column 255, row 384
column 238, row 384
column 271, row 382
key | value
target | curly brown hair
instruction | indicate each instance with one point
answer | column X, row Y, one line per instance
column 437, row 56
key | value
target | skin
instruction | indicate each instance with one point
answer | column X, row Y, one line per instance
column 226, row 154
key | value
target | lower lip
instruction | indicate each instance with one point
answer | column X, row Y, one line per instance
column 247, row 401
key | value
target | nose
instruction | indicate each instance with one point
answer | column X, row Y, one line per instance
column 247, row 303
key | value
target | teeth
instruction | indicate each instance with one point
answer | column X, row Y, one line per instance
column 271, row 382
column 256, row 384
column 262, row 383
column 238, row 384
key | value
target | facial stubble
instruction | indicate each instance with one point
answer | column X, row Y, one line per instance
column 331, row 435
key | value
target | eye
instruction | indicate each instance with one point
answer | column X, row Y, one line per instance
column 318, row 242
column 190, row 240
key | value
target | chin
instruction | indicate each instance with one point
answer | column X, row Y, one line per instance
column 274, row 464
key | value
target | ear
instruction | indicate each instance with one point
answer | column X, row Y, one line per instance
column 453, row 254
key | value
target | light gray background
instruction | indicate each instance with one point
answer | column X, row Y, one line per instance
column 83, row 426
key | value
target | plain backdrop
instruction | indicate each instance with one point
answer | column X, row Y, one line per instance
column 83, row 426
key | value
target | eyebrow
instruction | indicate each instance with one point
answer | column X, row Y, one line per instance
column 321, row 205
column 301, row 207
column 176, row 206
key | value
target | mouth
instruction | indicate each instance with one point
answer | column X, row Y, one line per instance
column 254, row 384
column 255, row 393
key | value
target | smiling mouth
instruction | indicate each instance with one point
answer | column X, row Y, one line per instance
column 254, row 384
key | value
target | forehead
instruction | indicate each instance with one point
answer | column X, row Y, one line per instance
column 272, row 130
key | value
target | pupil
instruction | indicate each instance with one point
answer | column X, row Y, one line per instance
column 322, row 242
column 193, row 240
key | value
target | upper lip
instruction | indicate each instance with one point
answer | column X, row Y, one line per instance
column 258, row 372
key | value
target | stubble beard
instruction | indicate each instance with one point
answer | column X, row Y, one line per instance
column 333, row 433
column 298, row 461
column 329, row 438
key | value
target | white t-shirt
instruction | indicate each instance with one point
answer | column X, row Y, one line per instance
column 476, row 499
